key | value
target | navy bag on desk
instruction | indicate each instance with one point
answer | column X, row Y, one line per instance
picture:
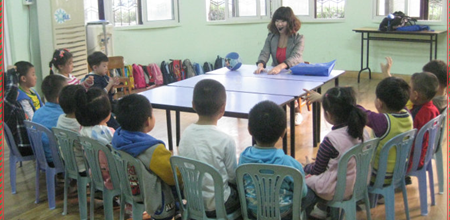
column 316, row 69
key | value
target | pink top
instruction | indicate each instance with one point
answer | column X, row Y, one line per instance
column 281, row 54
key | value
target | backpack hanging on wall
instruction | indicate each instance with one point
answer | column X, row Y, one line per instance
column 207, row 67
column 156, row 74
column 198, row 69
column 146, row 75
column 175, row 69
column 139, row 78
column 219, row 63
column 188, row 68
column 167, row 76
column 396, row 20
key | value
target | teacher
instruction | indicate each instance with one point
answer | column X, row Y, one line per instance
column 283, row 42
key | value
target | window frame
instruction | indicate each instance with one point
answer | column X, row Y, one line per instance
column 142, row 22
column 311, row 18
column 378, row 18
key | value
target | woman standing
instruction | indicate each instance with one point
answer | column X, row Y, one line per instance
column 284, row 44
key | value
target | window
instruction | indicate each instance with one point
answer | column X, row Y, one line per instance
column 420, row 9
column 229, row 10
column 133, row 12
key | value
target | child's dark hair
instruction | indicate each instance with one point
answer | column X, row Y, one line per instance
column 340, row 103
column 209, row 97
column 93, row 106
column 393, row 92
column 96, row 58
column 22, row 68
column 266, row 122
column 67, row 98
column 439, row 69
column 132, row 111
column 60, row 58
column 426, row 84
column 52, row 86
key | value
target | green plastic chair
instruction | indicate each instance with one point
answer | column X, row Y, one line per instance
column 92, row 148
column 192, row 172
column 266, row 178
column 402, row 144
column 363, row 154
column 438, row 153
column 123, row 161
column 66, row 140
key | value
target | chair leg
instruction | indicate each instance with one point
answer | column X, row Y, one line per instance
column 137, row 211
column 423, row 193
column 91, row 208
column 389, row 205
column 405, row 200
column 108, row 204
column 367, row 204
column 66, row 187
column 122, row 207
column 440, row 170
column 50, row 179
column 37, row 183
column 431, row 183
column 82, row 199
column 373, row 199
column 350, row 211
column 12, row 172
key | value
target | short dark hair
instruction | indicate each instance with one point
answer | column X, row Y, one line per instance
column 266, row 122
column 393, row 92
column 22, row 68
column 59, row 58
column 52, row 86
column 426, row 84
column 96, row 58
column 439, row 69
column 67, row 98
column 209, row 96
column 132, row 111
column 93, row 106
column 285, row 14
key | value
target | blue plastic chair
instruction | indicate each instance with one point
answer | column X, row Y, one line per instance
column 192, row 172
column 402, row 144
column 66, row 140
column 14, row 157
column 432, row 128
column 362, row 153
column 92, row 148
column 35, row 132
column 266, row 178
column 438, row 154
column 123, row 161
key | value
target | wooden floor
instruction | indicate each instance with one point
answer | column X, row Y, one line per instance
column 22, row 206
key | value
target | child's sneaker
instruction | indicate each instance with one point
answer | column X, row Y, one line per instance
column 298, row 118
column 318, row 213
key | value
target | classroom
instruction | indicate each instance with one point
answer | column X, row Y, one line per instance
column 141, row 34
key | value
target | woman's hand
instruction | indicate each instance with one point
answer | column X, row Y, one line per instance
column 275, row 70
column 259, row 69
column 312, row 96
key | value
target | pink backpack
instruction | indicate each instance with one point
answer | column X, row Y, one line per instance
column 139, row 78
column 155, row 73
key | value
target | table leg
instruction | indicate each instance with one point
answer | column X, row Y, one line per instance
column 169, row 129
column 292, row 106
column 284, row 137
column 336, row 82
column 177, row 124
column 362, row 57
column 431, row 47
column 316, row 121
column 367, row 56
column 435, row 46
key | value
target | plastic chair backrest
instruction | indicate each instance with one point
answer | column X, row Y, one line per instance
column 362, row 153
column 92, row 148
column 402, row 143
column 265, row 178
column 441, row 134
column 192, row 172
column 432, row 128
column 124, row 162
column 35, row 132
column 66, row 140
column 12, row 143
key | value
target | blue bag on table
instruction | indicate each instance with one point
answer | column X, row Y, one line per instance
column 315, row 69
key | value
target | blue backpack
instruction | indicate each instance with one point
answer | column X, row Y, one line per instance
column 198, row 69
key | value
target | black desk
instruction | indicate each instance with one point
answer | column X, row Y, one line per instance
column 425, row 37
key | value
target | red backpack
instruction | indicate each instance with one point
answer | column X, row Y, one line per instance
column 139, row 78
column 155, row 73
column 176, row 69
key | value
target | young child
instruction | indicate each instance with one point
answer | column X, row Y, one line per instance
column 14, row 113
column 424, row 86
column 69, row 122
column 28, row 97
column 135, row 115
column 340, row 110
column 62, row 60
column 392, row 118
column 92, row 111
column 48, row 114
column 439, row 69
column 204, row 142
column 266, row 124
column 98, row 62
